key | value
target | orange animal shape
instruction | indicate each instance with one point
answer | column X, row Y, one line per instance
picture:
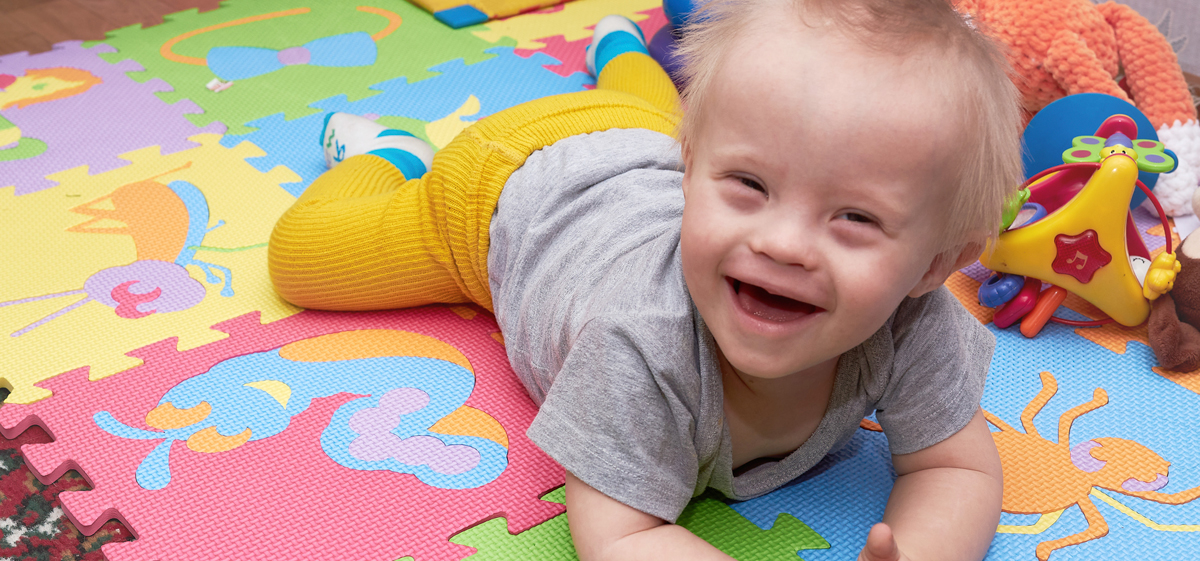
column 1042, row 477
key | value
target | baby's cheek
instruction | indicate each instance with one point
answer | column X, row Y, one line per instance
column 875, row 291
column 700, row 244
column 699, row 266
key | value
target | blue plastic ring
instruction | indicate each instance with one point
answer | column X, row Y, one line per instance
column 1000, row 288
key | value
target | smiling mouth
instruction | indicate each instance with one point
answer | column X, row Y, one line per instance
column 759, row 303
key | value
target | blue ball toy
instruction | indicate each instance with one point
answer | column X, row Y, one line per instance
column 1050, row 131
column 662, row 49
column 678, row 11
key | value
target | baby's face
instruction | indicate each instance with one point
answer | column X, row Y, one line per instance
column 815, row 190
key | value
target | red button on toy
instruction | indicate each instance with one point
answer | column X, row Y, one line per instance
column 1080, row 256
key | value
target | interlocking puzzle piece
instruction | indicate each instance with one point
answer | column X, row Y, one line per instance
column 1153, row 411
column 573, row 55
column 408, row 40
column 1189, row 380
column 707, row 517
column 287, row 483
column 461, row 13
column 839, row 498
column 32, row 525
column 1081, row 469
column 498, row 83
column 83, row 111
column 162, row 247
column 856, row 478
column 573, row 20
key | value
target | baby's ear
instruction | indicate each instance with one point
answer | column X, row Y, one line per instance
column 944, row 265
column 685, row 150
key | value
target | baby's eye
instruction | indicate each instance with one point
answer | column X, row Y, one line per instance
column 856, row 217
column 752, row 184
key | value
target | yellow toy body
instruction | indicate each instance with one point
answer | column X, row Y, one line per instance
column 1081, row 246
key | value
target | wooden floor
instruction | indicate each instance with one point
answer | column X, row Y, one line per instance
column 35, row 25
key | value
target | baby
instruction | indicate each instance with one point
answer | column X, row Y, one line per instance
column 722, row 311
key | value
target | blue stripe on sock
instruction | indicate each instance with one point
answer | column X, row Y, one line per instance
column 411, row 166
column 616, row 44
column 394, row 132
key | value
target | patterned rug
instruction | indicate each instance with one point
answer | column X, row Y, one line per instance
column 31, row 519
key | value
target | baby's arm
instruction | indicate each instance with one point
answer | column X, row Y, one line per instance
column 604, row 528
column 946, row 501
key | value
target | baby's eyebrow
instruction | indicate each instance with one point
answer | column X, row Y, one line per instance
column 887, row 202
column 731, row 153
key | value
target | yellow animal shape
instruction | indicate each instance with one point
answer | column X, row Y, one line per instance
column 1044, row 477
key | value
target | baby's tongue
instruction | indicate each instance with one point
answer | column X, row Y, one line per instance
column 770, row 307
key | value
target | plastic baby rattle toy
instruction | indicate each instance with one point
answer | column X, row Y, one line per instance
column 1070, row 227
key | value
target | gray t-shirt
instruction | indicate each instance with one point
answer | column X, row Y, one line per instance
column 599, row 326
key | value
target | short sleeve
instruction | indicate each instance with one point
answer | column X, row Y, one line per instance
column 941, row 359
column 619, row 419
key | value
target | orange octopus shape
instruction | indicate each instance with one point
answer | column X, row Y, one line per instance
column 1045, row 477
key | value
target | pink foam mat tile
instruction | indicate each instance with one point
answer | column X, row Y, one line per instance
column 573, row 54
column 296, row 490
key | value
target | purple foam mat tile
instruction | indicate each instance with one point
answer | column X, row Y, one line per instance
column 86, row 111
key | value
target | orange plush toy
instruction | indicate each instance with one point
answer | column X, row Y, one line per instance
column 1063, row 47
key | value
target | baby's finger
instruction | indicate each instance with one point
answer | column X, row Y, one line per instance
column 881, row 546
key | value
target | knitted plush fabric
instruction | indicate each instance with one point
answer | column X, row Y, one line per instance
column 1063, row 47
column 362, row 237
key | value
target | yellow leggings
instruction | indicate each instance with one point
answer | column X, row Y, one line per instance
column 362, row 237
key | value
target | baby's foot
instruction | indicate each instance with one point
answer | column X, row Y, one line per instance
column 614, row 35
column 345, row 135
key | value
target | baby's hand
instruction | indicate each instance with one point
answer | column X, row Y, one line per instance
column 881, row 546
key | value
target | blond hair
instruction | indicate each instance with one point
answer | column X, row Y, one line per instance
column 973, row 68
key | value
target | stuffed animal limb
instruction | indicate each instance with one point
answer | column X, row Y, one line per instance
column 1174, row 190
column 1174, row 316
column 1061, row 47
column 1077, row 69
column 1151, row 68
column 1154, row 78
column 1175, row 342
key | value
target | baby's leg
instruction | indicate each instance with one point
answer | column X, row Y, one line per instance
column 620, row 61
column 364, row 236
column 361, row 237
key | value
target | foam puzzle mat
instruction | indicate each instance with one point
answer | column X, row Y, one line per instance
column 140, row 177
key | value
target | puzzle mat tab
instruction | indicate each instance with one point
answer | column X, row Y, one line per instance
column 152, row 348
